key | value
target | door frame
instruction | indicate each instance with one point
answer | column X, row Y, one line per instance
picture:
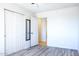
column 40, row 42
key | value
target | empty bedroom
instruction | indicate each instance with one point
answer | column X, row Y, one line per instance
column 39, row 29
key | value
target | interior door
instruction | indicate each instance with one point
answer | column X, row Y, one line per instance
column 10, row 32
column 15, row 32
column 34, row 31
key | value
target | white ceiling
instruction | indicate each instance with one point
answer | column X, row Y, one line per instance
column 41, row 7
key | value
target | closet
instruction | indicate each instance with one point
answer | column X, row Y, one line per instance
column 13, row 31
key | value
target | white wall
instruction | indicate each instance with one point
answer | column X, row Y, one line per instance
column 16, row 8
column 12, row 7
column 62, row 27
column 1, row 31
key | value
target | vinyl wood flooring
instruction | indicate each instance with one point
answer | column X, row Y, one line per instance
column 46, row 51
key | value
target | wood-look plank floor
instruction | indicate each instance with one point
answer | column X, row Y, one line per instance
column 46, row 51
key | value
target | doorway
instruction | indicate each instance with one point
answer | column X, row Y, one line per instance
column 42, row 32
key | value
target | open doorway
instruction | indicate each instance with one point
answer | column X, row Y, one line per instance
column 42, row 32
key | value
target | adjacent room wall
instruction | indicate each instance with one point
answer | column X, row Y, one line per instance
column 62, row 27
